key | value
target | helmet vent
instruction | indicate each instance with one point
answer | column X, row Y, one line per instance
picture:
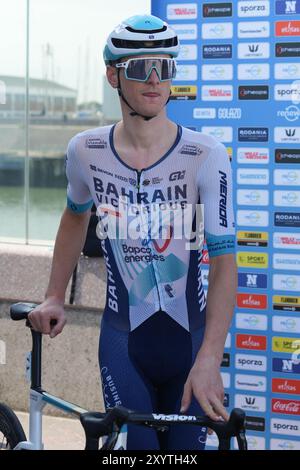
column 146, row 31
column 127, row 44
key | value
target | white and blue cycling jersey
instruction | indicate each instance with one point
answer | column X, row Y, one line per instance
column 153, row 274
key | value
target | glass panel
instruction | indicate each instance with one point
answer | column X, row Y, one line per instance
column 12, row 121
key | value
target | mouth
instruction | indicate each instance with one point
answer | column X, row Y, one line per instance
column 151, row 94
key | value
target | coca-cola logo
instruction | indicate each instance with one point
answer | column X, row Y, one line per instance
column 205, row 257
column 291, row 407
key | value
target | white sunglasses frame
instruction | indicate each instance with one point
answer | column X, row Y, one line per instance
column 125, row 66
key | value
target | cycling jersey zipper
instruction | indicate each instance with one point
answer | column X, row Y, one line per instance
column 138, row 185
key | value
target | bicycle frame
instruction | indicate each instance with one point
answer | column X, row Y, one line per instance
column 39, row 398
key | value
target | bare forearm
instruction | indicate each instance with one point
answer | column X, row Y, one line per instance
column 220, row 305
column 68, row 245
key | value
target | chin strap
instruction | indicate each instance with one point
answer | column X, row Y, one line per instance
column 134, row 112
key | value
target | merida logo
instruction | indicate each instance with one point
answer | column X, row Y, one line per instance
column 223, row 199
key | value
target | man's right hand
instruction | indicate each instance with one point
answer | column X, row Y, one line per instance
column 51, row 310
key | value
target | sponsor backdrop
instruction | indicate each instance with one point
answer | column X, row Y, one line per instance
column 239, row 80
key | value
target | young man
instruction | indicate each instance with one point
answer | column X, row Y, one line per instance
column 161, row 346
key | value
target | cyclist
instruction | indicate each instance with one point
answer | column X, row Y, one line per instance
column 160, row 345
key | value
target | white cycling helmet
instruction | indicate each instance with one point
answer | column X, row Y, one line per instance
column 139, row 35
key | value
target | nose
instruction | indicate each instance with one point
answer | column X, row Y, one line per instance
column 153, row 77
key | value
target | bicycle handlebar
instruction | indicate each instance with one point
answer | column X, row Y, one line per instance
column 97, row 425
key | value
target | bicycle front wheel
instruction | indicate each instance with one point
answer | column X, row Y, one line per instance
column 11, row 431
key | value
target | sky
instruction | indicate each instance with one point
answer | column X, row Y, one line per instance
column 66, row 39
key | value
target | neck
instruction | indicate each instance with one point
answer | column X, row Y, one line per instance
column 135, row 132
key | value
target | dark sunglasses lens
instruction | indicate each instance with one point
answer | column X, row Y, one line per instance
column 136, row 70
column 140, row 69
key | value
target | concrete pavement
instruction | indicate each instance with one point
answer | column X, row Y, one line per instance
column 58, row 433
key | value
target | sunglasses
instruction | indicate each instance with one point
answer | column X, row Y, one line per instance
column 140, row 69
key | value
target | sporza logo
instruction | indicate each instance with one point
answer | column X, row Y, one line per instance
column 282, row 426
column 288, row 92
column 254, row 8
column 251, row 362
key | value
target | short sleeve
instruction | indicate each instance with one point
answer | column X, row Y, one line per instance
column 215, row 189
column 78, row 194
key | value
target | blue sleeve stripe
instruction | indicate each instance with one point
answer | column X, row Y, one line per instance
column 220, row 245
column 79, row 208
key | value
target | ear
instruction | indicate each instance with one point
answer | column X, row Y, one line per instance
column 112, row 76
